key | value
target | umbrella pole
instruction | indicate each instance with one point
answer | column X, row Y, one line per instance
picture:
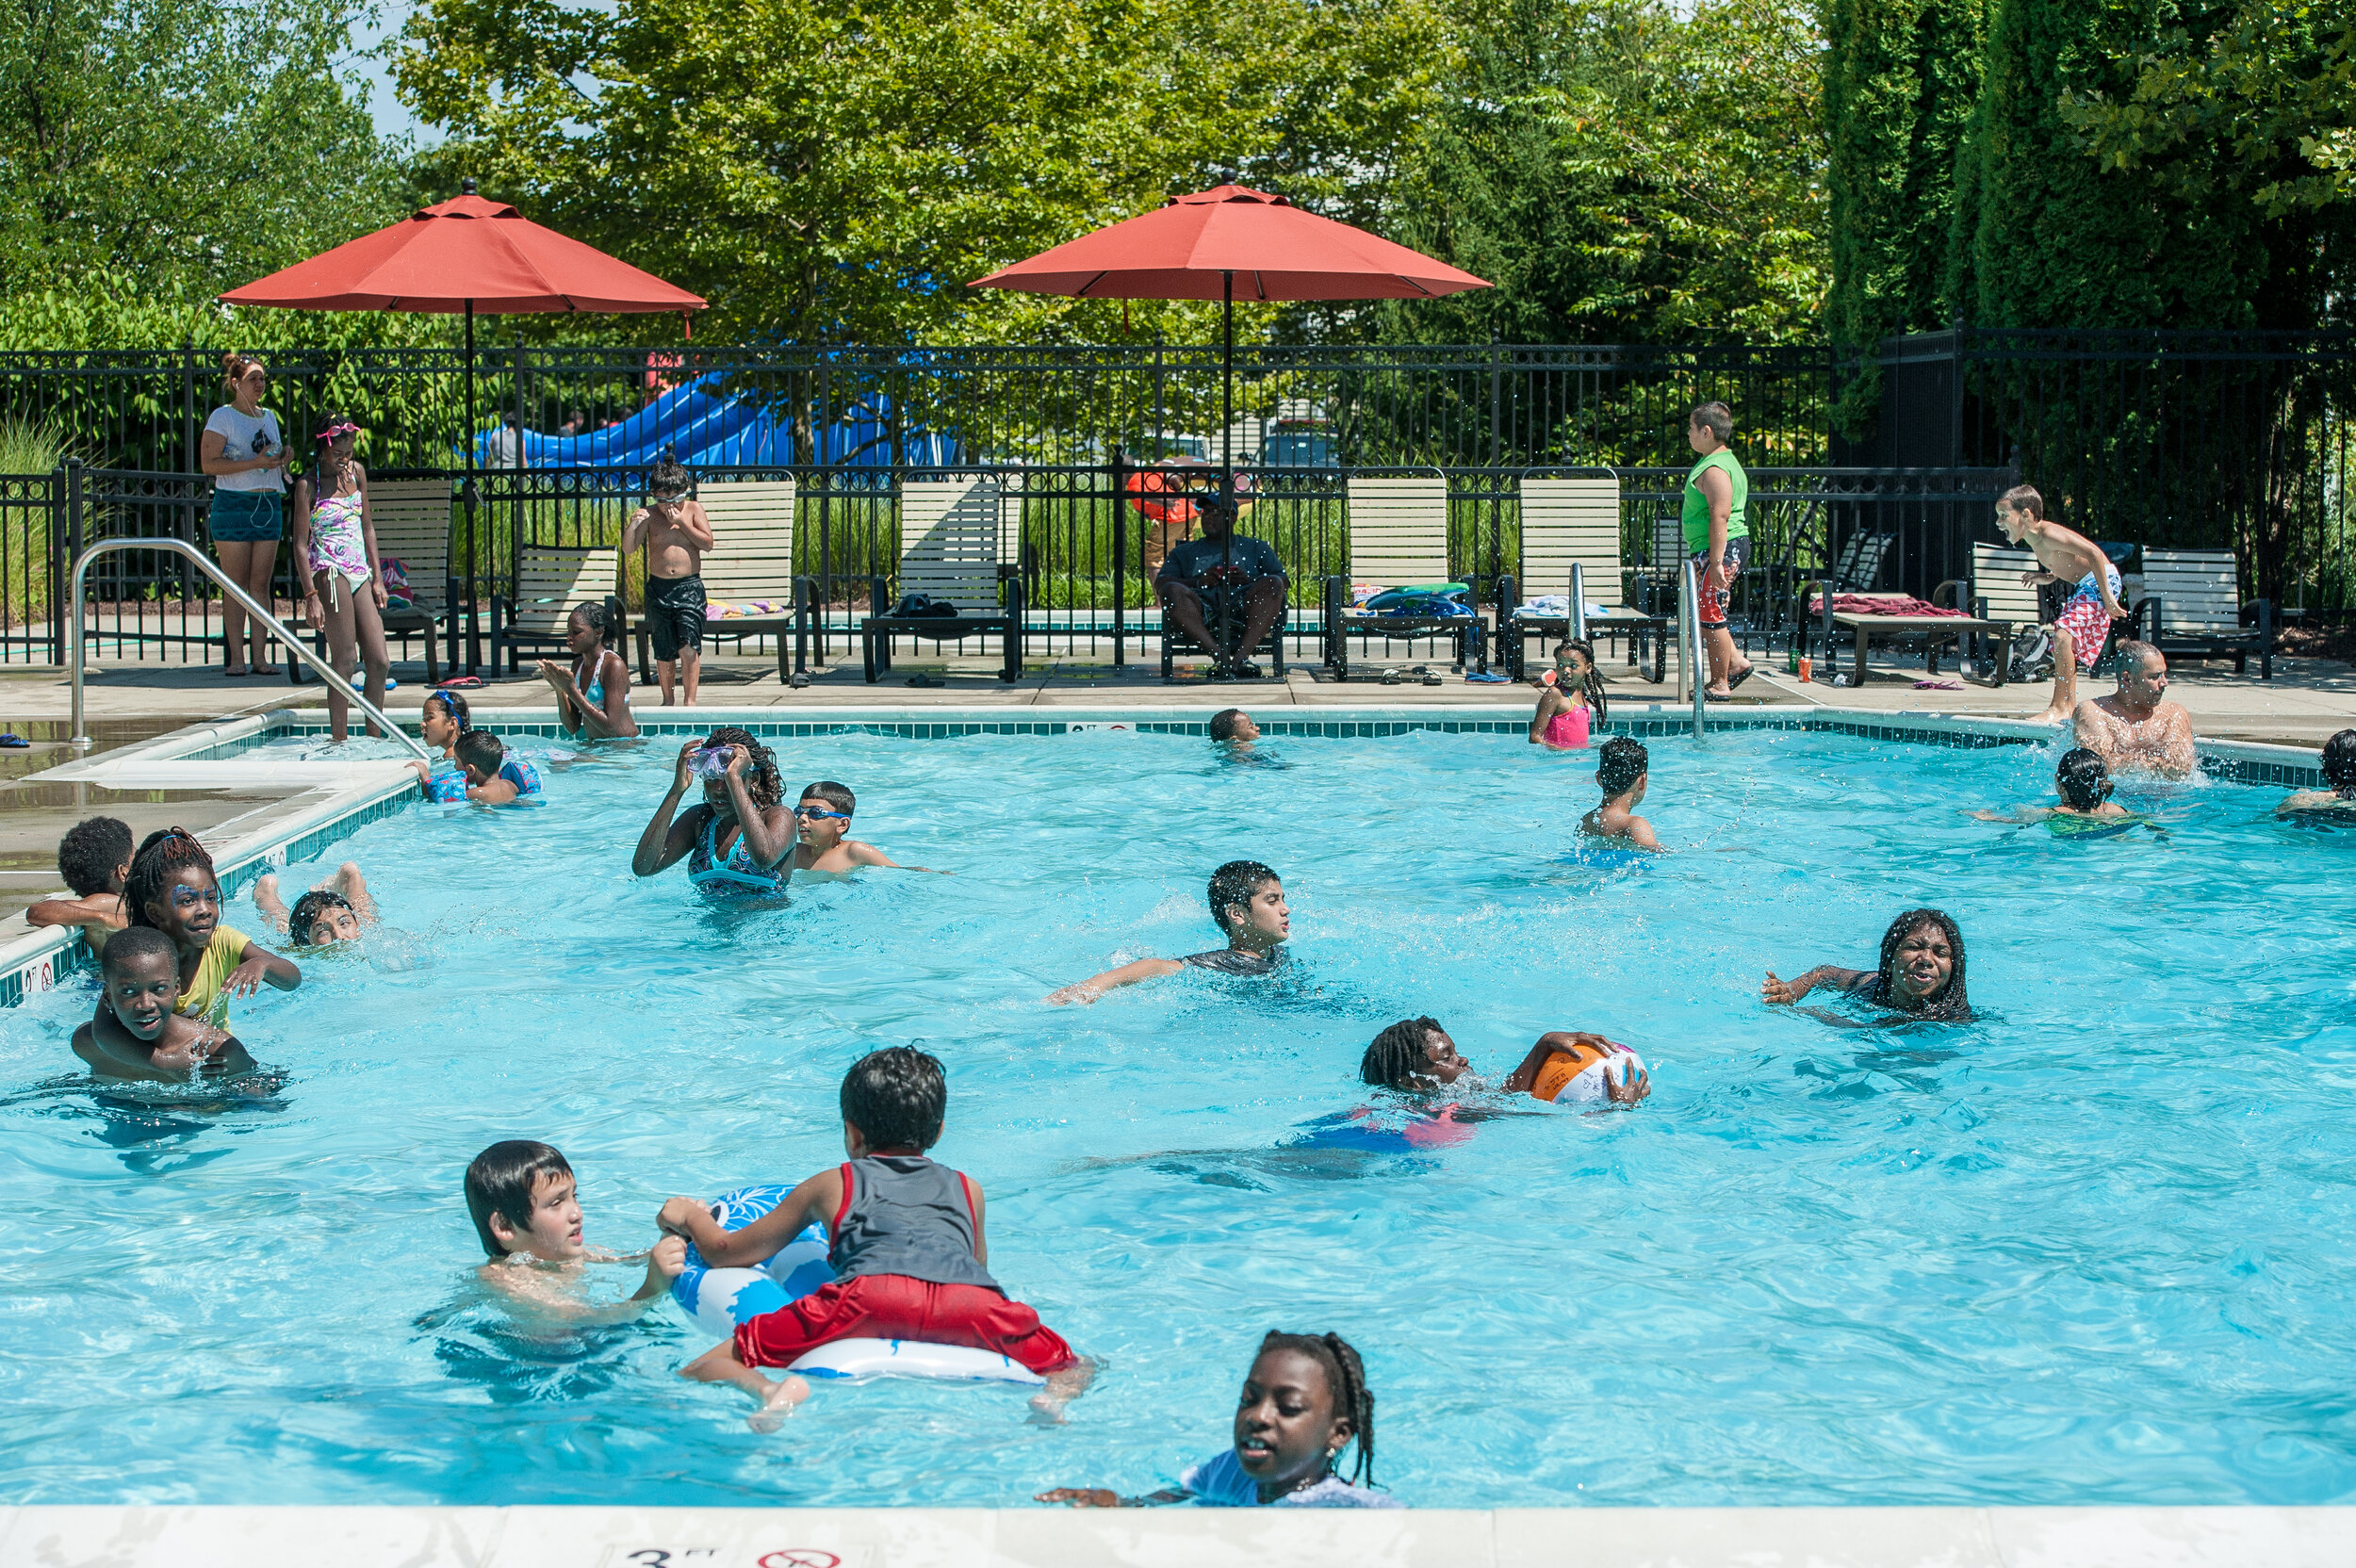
column 474, row 613
column 1227, row 471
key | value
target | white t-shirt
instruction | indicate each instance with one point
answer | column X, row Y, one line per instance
column 245, row 438
column 1219, row 1481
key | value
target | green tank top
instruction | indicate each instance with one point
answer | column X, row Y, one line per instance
column 1696, row 514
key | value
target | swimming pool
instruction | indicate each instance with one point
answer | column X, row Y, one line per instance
column 2092, row 1249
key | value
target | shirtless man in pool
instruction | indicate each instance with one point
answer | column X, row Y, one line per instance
column 2065, row 556
column 2137, row 728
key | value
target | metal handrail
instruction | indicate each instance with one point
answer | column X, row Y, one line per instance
column 1690, row 655
column 81, row 742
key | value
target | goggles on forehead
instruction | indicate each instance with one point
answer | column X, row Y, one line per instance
column 332, row 432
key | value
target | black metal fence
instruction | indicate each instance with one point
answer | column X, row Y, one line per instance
column 1085, row 553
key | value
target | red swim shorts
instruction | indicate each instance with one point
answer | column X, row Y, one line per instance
column 893, row 1306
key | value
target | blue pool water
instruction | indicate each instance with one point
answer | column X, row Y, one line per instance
column 2094, row 1247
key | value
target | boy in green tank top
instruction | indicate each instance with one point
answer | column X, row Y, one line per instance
column 1718, row 537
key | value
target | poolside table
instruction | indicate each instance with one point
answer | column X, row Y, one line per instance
column 1935, row 629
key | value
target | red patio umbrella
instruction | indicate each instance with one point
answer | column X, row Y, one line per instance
column 466, row 254
column 1229, row 242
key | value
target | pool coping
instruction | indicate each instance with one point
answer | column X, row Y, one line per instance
column 597, row 1536
column 355, row 794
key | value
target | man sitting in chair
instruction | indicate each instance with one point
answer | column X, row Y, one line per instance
column 1201, row 572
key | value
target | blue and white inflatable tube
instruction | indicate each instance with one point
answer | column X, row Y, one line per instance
column 720, row 1299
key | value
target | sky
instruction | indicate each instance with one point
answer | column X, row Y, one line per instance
column 392, row 117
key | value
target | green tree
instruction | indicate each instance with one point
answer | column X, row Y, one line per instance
column 823, row 172
column 2259, row 114
column 186, row 143
column 1623, row 173
column 2045, row 235
column 1900, row 78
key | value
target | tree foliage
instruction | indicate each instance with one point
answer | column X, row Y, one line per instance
column 1900, row 78
column 1624, row 173
column 183, row 141
column 840, row 172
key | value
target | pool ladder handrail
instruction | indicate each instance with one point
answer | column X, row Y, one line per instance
column 81, row 742
column 1690, row 636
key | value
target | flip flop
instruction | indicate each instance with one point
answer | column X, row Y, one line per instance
column 1734, row 682
column 924, row 680
column 235, row 675
column 459, row 683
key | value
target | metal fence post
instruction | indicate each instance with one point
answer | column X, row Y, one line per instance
column 1120, row 566
column 58, row 564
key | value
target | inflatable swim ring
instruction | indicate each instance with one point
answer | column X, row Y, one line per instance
column 720, row 1299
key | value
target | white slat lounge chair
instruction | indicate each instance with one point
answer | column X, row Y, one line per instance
column 1571, row 545
column 1398, row 539
column 2192, row 604
column 951, row 537
column 750, row 562
column 547, row 581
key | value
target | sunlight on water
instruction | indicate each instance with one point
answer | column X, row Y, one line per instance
column 2092, row 1249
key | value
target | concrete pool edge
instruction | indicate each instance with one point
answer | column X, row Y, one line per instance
column 598, row 1536
column 350, row 795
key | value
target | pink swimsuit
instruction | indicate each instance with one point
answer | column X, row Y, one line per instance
column 1568, row 729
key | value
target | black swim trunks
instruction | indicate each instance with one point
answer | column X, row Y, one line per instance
column 675, row 614
column 1231, row 960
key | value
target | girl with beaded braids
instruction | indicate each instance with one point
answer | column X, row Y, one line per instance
column 592, row 698
column 1921, row 973
column 1304, row 1401
column 171, row 889
column 1571, row 700
column 739, row 839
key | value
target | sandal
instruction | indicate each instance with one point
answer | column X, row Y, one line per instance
column 236, row 675
column 1734, row 681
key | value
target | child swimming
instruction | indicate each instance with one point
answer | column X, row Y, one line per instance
column 94, row 858
column 494, row 774
column 909, row 1252
column 526, row 1209
column 1248, row 902
column 1571, row 704
column 592, row 698
column 2338, row 803
column 1304, row 1400
column 1416, row 1056
column 823, row 846
column 1921, row 972
column 136, row 1034
column 441, row 719
column 171, row 889
column 2083, row 782
column 739, row 839
column 333, row 911
column 1622, row 771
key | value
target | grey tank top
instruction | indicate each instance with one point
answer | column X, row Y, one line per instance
column 904, row 1214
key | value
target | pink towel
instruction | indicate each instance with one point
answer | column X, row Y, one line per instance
column 1865, row 604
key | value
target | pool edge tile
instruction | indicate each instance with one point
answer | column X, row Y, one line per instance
column 2246, row 1536
column 217, row 1536
column 1243, row 1537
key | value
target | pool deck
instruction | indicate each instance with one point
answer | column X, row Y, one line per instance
column 598, row 1537
column 2306, row 701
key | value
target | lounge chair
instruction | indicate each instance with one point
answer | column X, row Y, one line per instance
column 1892, row 615
column 546, row 582
column 1175, row 642
column 952, row 538
column 1570, row 536
column 1398, row 539
column 2192, row 604
column 750, row 562
column 412, row 520
column 1994, row 593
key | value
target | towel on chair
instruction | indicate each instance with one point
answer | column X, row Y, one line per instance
column 1868, row 604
